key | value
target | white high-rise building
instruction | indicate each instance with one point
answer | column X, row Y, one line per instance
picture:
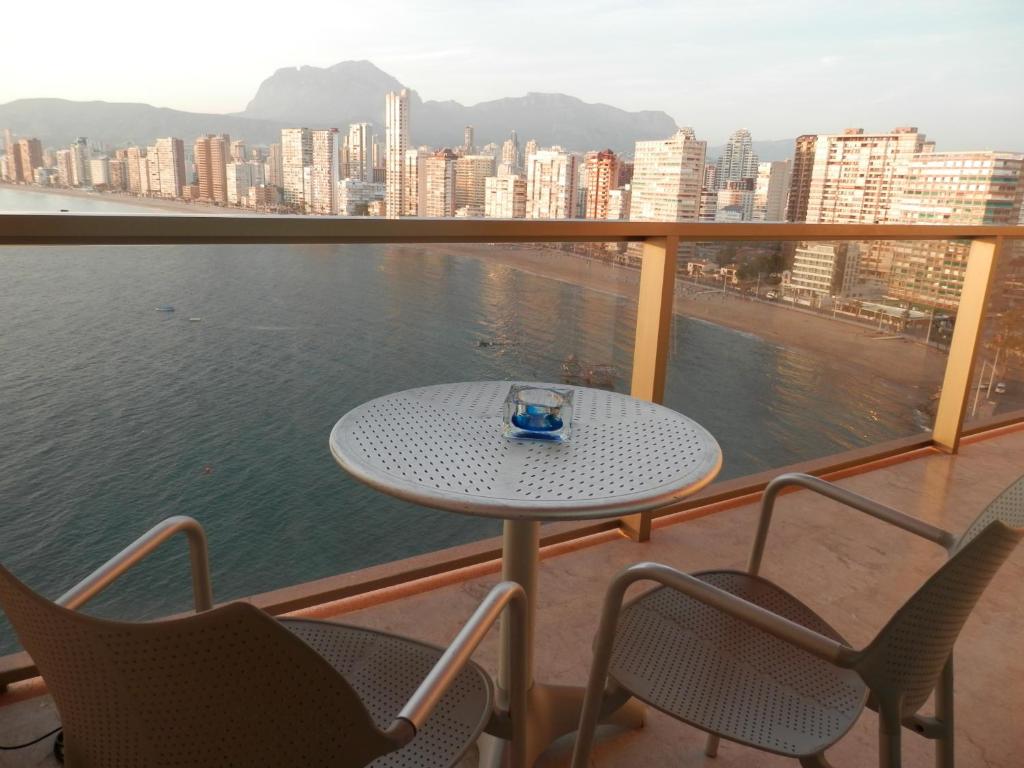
column 99, row 171
column 168, row 156
column 396, row 144
column 471, row 172
column 440, row 177
column 618, row 202
column 414, row 177
column 296, row 156
column 857, row 177
column 667, row 178
column 505, row 197
column 771, row 191
column 510, row 159
column 323, row 176
column 551, row 184
column 738, row 160
column 80, row 155
column 240, row 178
column 355, row 197
column 360, row 152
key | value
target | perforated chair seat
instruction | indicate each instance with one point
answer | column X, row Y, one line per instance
column 385, row 670
column 726, row 677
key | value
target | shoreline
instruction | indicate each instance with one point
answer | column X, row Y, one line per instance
column 846, row 348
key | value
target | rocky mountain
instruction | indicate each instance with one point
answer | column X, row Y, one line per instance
column 353, row 91
column 348, row 92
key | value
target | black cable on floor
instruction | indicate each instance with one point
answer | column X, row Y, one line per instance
column 30, row 743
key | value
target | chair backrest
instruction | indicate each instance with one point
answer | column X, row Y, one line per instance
column 229, row 686
column 906, row 658
column 1007, row 507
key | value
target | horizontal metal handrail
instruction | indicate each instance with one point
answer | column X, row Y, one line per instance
column 168, row 229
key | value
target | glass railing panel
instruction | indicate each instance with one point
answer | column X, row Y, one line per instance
column 997, row 385
column 795, row 351
column 118, row 414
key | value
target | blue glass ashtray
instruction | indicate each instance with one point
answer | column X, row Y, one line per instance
column 537, row 413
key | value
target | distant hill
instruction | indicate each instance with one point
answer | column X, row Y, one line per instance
column 348, row 92
column 353, row 91
column 57, row 122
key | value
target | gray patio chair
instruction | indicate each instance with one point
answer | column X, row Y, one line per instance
column 731, row 653
column 233, row 686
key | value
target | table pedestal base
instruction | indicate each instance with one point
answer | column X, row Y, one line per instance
column 552, row 712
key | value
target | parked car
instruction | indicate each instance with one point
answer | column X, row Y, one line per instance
column 771, row 295
column 1000, row 387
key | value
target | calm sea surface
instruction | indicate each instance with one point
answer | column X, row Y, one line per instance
column 115, row 416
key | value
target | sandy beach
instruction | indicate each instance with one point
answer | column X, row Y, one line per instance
column 850, row 349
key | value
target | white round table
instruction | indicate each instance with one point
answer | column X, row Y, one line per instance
column 441, row 446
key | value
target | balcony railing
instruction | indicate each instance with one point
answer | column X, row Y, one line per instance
column 655, row 305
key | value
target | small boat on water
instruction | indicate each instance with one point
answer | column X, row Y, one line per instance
column 194, row 319
column 165, row 308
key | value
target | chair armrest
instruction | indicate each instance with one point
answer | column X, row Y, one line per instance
column 844, row 496
column 107, row 573
column 437, row 682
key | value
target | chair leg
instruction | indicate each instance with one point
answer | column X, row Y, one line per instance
column 711, row 746
column 944, row 753
column 889, row 734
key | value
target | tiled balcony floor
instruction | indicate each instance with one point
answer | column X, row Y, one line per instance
column 852, row 569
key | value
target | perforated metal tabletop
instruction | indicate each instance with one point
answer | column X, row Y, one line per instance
column 441, row 446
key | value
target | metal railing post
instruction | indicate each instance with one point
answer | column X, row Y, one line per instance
column 653, row 332
column 963, row 349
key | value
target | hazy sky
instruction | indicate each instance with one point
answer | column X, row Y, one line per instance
column 955, row 69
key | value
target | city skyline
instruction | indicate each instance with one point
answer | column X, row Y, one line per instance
column 760, row 65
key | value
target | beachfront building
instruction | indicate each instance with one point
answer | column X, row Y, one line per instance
column 551, row 184
column 210, row 156
column 274, row 171
column 600, row 177
column 968, row 188
column 80, row 156
column 414, row 178
column 396, row 141
column 296, row 156
column 166, row 160
column 857, row 177
column 618, row 202
column 323, row 174
column 471, row 172
column 505, row 197
column 818, row 272
column 735, row 201
column 30, row 156
column 738, row 160
column 99, row 172
column 355, row 196
column 771, row 191
column 511, row 162
column 667, row 178
column 439, row 173
column 359, row 165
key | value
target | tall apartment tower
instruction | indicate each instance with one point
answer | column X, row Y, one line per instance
column 667, row 178
column 530, row 149
column 551, row 190
column 800, row 178
column 323, row 176
column 169, row 159
column 771, row 190
column 505, row 197
column 13, row 158
column 510, row 160
column 64, row 163
column 857, row 177
column 414, row 179
column 440, row 186
column 471, row 172
column 600, row 177
column 468, row 147
column 738, row 160
column 211, row 156
column 296, row 157
column 360, row 152
column 275, row 167
column 396, row 144
column 30, row 152
column 81, row 155
column 238, row 151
